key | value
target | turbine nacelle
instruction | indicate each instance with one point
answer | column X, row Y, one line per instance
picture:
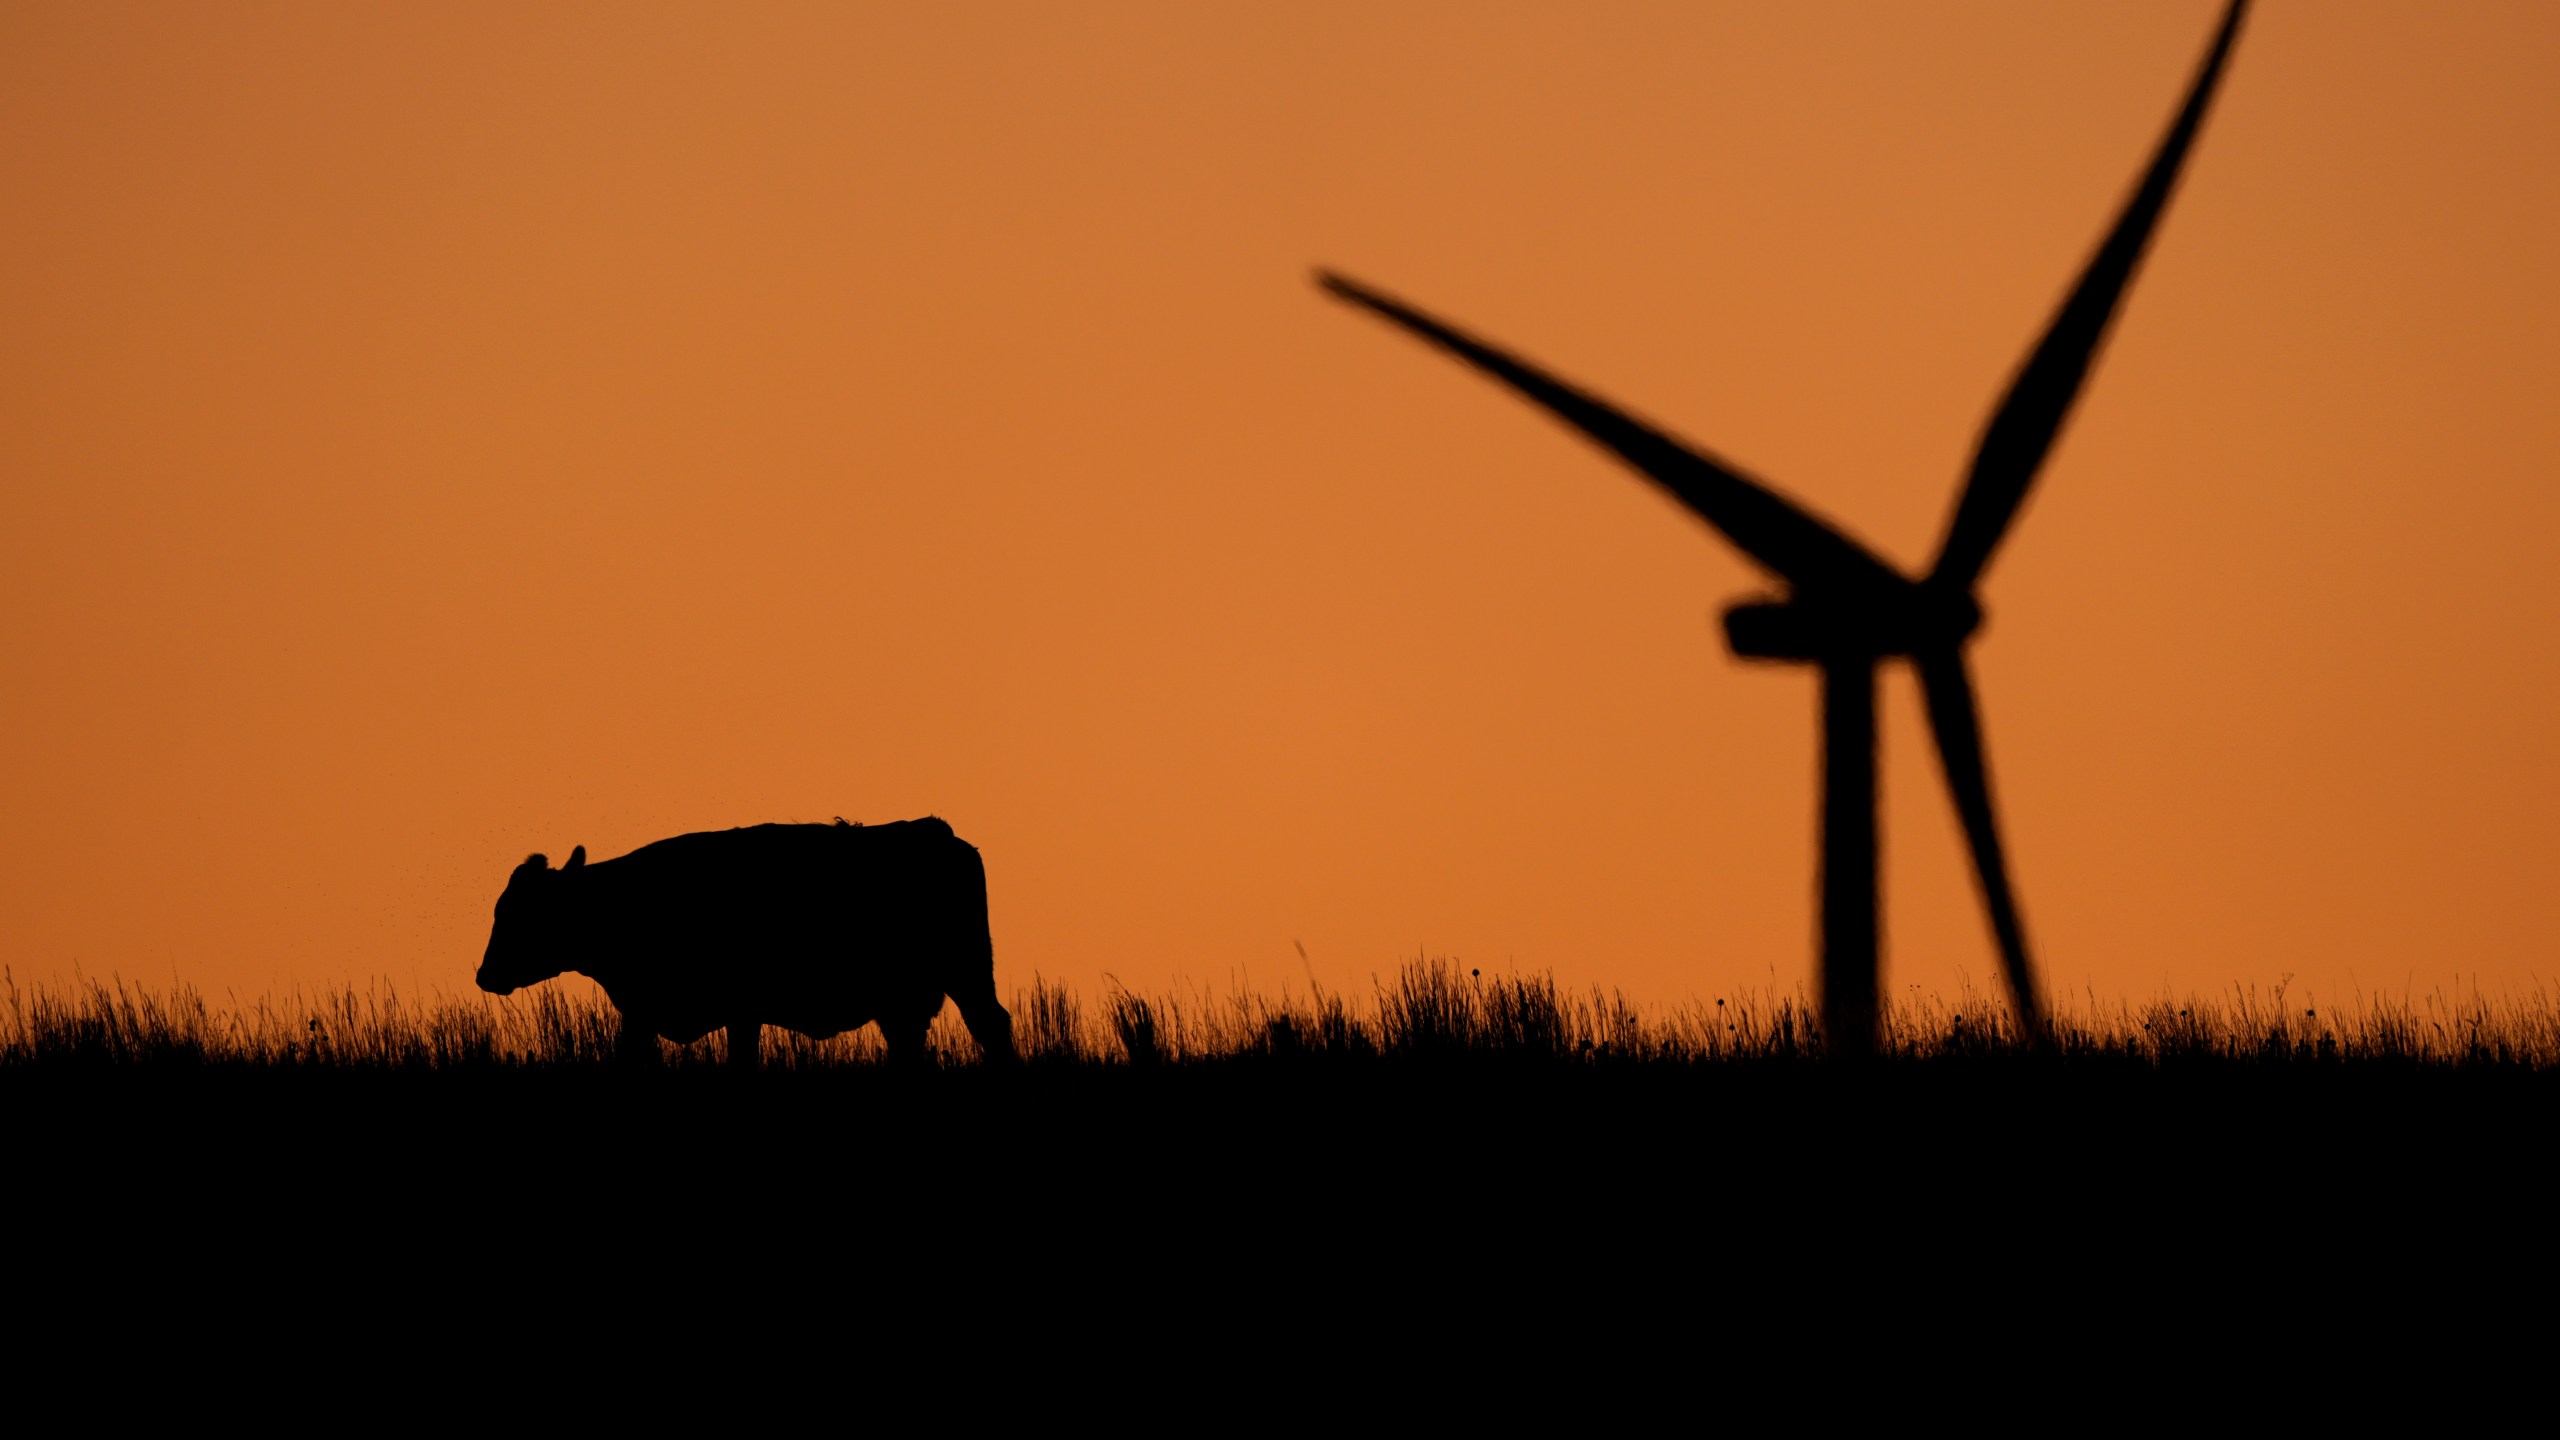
column 1816, row 630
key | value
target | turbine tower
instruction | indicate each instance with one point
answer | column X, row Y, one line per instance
column 1846, row 611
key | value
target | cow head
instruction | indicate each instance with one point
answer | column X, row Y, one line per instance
column 530, row 940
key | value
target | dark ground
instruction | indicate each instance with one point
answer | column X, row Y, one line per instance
column 1705, row 1235
column 1678, row 1173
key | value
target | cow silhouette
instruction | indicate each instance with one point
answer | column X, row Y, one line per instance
column 816, row 928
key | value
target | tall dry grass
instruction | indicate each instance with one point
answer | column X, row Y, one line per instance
column 1429, row 1011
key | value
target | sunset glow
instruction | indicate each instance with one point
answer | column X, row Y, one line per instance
column 430, row 435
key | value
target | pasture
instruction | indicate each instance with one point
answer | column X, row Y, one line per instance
column 1429, row 1015
column 1451, row 1149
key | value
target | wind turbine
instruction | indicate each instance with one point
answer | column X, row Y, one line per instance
column 1846, row 611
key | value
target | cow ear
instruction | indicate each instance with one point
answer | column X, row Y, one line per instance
column 536, row 861
column 577, row 858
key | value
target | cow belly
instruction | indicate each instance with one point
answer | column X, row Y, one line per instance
column 852, row 1005
column 819, row 998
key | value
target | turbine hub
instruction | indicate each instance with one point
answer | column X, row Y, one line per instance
column 1828, row 629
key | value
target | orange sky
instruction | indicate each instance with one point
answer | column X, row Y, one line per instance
column 430, row 434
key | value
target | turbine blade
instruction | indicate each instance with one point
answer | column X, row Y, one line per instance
column 2021, row 431
column 1948, row 688
column 1766, row 525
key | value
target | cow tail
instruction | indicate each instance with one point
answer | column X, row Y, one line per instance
column 973, row 986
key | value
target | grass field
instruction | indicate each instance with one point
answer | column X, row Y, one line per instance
column 1446, row 1156
column 1430, row 1014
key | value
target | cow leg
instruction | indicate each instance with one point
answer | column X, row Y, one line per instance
column 637, row 1045
column 905, row 1034
column 746, row 1042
